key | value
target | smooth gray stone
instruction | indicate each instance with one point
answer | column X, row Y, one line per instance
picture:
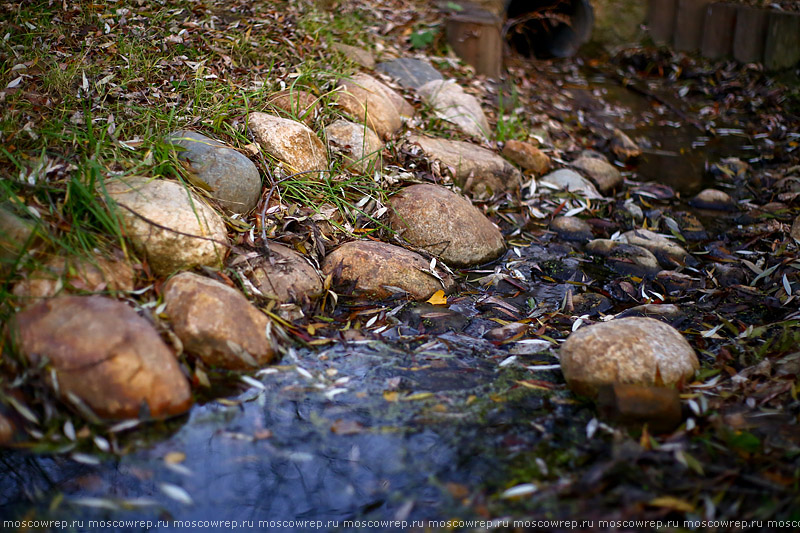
column 410, row 73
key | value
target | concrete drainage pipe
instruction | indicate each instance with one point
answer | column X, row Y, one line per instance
column 548, row 28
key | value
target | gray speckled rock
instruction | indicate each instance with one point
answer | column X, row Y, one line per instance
column 289, row 141
column 572, row 229
column 196, row 234
column 605, row 176
column 377, row 269
column 360, row 146
column 713, row 199
column 477, row 170
column 625, row 258
column 409, row 72
column 571, row 181
column 452, row 104
column 445, row 224
column 635, row 351
column 669, row 253
column 232, row 178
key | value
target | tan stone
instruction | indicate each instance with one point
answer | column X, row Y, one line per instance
column 625, row 258
column 477, row 170
column 378, row 270
column 7, row 430
column 454, row 105
column 216, row 323
column 169, row 224
column 713, row 199
column 634, row 351
column 527, row 156
column 300, row 105
column 445, row 224
column 571, row 181
column 623, row 147
column 105, row 354
column 289, row 141
column 355, row 54
column 366, row 100
column 360, row 146
column 605, row 176
column 795, row 231
column 669, row 253
column 286, row 276
column 76, row 274
column 15, row 233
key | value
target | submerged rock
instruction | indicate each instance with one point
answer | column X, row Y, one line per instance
column 367, row 100
column 571, row 181
column 360, row 146
column 623, row 147
column 625, row 258
column 572, row 229
column 439, row 221
column 286, row 276
column 380, row 270
column 605, row 176
column 232, row 179
column 169, row 224
column 300, row 105
column 713, row 199
column 104, row 354
column 289, row 141
column 676, row 282
column 410, row 73
column 76, row 274
column 635, row 351
column 669, row 253
column 527, row 156
column 633, row 405
column 216, row 323
column 590, row 303
column 689, row 226
column 477, row 170
column 452, row 104
column 669, row 313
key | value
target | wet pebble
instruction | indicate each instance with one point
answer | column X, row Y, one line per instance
column 623, row 147
column 676, row 282
column 625, row 258
column 635, row 406
column 506, row 332
column 188, row 232
column 285, row 276
column 713, row 199
column 445, row 224
column 669, row 313
column 433, row 319
column 727, row 274
column 380, row 270
column 289, row 141
column 571, row 181
column 216, row 323
column 688, row 226
column 604, row 176
column 572, row 229
column 635, row 351
column 669, row 253
column 105, row 354
column 527, row 156
column 232, row 179
column 590, row 303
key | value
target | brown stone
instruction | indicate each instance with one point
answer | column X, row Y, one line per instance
column 299, row 105
column 480, row 172
column 527, row 156
column 105, row 354
column 216, row 323
column 669, row 253
column 286, row 276
column 634, row 351
column 290, row 142
column 623, row 146
column 605, row 176
column 795, row 231
column 7, row 430
column 570, row 180
column 452, row 104
column 572, row 229
column 15, row 233
column 633, row 405
column 713, row 199
column 379, row 270
column 625, row 258
column 169, row 224
column 365, row 99
column 355, row 54
column 445, row 224
column 76, row 274
column 360, row 146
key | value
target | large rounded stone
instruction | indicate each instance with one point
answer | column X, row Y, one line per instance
column 634, row 351
column 624, row 258
column 669, row 253
column 76, row 274
column 713, row 199
column 231, row 177
column 289, row 141
column 445, row 224
column 527, row 156
column 605, row 176
column 572, row 229
column 286, row 276
column 366, row 100
column 452, row 104
column 477, row 170
column 169, row 224
column 105, row 354
column 216, row 323
column 360, row 146
column 571, row 181
column 379, row 270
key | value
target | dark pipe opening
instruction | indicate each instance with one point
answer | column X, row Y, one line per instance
column 548, row 28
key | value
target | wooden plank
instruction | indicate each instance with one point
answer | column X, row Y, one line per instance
column 782, row 47
column 720, row 25
column 475, row 37
column 661, row 20
column 750, row 34
column 689, row 22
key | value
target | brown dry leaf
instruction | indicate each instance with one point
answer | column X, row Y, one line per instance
column 173, row 458
column 346, row 427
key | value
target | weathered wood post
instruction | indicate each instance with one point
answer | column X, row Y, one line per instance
column 475, row 36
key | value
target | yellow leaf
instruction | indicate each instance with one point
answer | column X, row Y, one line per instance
column 173, row 458
column 670, row 502
column 418, row 396
column 391, row 396
column 438, row 298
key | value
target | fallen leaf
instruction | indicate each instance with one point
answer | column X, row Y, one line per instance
column 438, row 298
